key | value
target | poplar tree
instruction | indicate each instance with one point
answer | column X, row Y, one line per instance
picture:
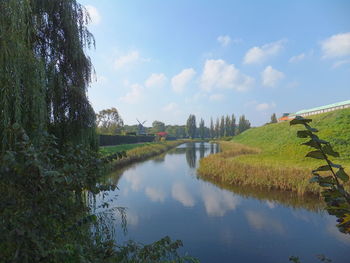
column 273, row 118
column 217, row 128
column 191, row 126
column 201, row 129
column 211, row 130
column 227, row 126
column 243, row 124
column 233, row 125
column 222, row 126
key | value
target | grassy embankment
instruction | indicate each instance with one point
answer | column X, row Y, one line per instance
column 271, row 156
column 139, row 151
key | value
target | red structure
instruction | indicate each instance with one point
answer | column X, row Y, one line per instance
column 162, row 134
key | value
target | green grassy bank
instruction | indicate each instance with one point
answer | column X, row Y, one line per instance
column 139, row 152
column 106, row 150
column 271, row 156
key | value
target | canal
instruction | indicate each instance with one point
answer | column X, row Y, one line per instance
column 164, row 196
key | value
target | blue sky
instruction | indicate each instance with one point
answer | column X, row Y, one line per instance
column 163, row 60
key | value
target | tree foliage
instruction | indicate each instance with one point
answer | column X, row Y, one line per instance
column 243, row 124
column 109, row 121
column 191, row 126
column 44, row 72
column 211, row 129
column 273, row 118
column 201, row 129
column 158, row 126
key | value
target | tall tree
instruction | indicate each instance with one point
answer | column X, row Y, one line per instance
column 191, row 126
column 109, row 121
column 222, row 126
column 273, row 118
column 45, row 74
column 211, row 130
column 227, row 126
column 233, row 125
column 217, row 128
column 158, row 126
column 201, row 129
column 243, row 124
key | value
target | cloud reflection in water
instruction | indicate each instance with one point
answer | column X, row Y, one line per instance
column 218, row 202
column 180, row 193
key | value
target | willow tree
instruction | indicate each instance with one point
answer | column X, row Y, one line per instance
column 44, row 72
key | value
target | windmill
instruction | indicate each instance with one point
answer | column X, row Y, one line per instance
column 140, row 128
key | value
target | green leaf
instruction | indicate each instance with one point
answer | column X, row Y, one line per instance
column 304, row 134
column 322, row 168
column 299, row 120
column 327, row 180
column 316, row 155
column 329, row 150
column 310, row 128
column 320, row 140
column 341, row 174
column 315, row 179
column 335, row 165
column 312, row 143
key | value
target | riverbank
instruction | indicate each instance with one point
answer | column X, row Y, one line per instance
column 140, row 152
column 271, row 156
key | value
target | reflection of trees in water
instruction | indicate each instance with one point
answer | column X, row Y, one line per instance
column 214, row 148
column 217, row 148
column 180, row 150
column 191, row 155
column 159, row 158
column 201, row 150
column 286, row 198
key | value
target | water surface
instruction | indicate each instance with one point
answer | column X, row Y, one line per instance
column 219, row 223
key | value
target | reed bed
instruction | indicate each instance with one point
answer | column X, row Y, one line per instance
column 227, row 168
column 146, row 151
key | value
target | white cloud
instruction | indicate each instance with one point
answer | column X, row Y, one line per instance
column 128, row 60
column 156, row 195
column 156, row 81
column 135, row 94
column 265, row 106
column 172, row 106
column 336, row 46
column 297, row 58
column 181, row 80
column 271, row 77
column 219, row 74
column 260, row 54
column 93, row 14
column 262, row 106
column 340, row 63
column 224, row 40
column 180, row 193
column 216, row 97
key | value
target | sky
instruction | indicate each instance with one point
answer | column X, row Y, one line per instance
column 165, row 59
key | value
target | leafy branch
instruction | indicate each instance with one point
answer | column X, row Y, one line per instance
column 336, row 197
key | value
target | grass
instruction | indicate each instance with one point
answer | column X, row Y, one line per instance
column 271, row 156
column 106, row 150
column 140, row 152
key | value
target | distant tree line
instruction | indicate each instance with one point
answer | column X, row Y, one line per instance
column 224, row 127
column 110, row 122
